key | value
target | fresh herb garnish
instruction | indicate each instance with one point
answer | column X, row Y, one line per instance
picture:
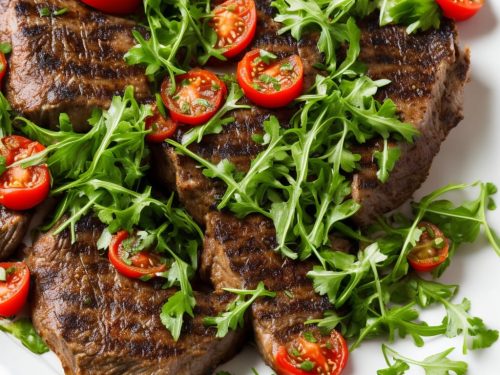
column 234, row 315
column 437, row 364
column 5, row 117
column 44, row 12
column 266, row 57
column 5, row 48
column 24, row 331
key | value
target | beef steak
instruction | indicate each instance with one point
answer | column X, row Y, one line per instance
column 100, row 322
column 239, row 254
column 428, row 72
column 13, row 227
column 68, row 63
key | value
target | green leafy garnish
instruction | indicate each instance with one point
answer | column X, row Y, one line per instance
column 234, row 315
column 5, row 117
column 24, row 331
column 266, row 57
column 437, row 364
column 5, row 48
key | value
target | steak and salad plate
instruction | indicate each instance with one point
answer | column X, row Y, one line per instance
column 284, row 187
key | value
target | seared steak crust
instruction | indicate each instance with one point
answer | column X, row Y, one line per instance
column 428, row 72
column 13, row 227
column 99, row 322
column 239, row 254
column 70, row 63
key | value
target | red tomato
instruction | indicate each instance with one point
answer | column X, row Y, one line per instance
column 327, row 356
column 460, row 10
column 197, row 97
column 14, row 291
column 114, row 6
column 431, row 249
column 234, row 22
column 273, row 84
column 162, row 128
column 24, row 188
column 141, row 264
column 14, row 148
column 3, row 67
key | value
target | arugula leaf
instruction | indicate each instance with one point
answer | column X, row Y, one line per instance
column 386, row 160
column 417, row 14
column 437, row 364
column 5, row 117
column 24, row 331
column 5, row 48
column 235, row 311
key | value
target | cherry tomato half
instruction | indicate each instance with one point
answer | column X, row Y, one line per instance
column 142, row 264
column 114, row 6
column 431, row 249
column 3, row 67
column 327, row 355
column 270, row 84
column 162, row 128
column 234, row 22
column 14, row 290
column 22, row 188
column 14, row 148
column 460, row 10
column 197, row 97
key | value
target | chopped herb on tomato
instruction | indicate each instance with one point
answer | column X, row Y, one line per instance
column 14, row 287
column 234, row 22
column 460, row 10
column 268, row 81
column 313, row 353
column 431, row 250
column 196, row 98
column 132, row 261
column 3, row 67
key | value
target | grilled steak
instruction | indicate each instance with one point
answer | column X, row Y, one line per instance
column 70, row 63
column 239, row 254
column 428, row 72
column 99, row 322
column 13, row 227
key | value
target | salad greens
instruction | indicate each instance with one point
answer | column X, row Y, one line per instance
column 234, row 315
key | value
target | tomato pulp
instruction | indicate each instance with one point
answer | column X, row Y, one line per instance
column 234, row 22
column 270, row 82
column 3, row 67
column 460, row 10
column 14, row 289
column 198, row 95
column 431, row 249
column 140, row 264
column 315, row 354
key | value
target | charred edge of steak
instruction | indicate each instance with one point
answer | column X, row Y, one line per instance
column 98, row 321
column 13, row 227
column 240, row 254
column 434, row 108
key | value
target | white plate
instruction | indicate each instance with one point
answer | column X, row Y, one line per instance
column 471, row 152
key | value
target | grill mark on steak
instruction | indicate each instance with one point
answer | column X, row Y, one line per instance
column 13, row 227
column 70, row 63
column 98, row 321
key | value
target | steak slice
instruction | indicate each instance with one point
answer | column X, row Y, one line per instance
column 70, row 63
column 13, row 227
column 428, row 72
column 100, row 322
column 239, row 254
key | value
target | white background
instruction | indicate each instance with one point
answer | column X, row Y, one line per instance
column 471, row 152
